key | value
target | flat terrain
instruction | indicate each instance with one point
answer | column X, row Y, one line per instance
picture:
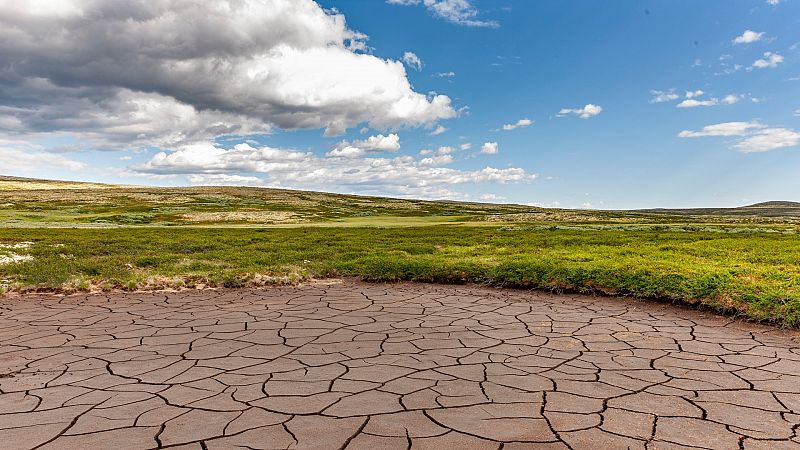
column 67, row 236
column 354, row 365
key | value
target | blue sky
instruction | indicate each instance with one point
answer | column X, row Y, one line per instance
column 633, row 104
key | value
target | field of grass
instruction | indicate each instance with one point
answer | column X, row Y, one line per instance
column 86, row 238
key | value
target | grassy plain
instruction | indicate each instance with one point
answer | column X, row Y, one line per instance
column 101, row 237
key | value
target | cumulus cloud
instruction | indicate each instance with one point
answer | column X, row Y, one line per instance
column 663, row 96
column 120, row 119
column 489, row 148
column 769, row 61
column 748, row 37
column 438, row 160
column 460, row 12
column 412, row 60
column 723, row 129
column 443, row 150
column 401, row 175
column 752, row 136
column 587, row 112
column 172, row 72
column 521, row 123
column 438, row 130
column 769, row 139
column 380, row 143
column 692, row 100
column 731, row 99
column 445, row 74
column 693, row 103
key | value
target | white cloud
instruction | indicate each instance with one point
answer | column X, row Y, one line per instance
column 401, row 175
column 443, row 150
column 172, row 72
column 219, row 179
column 770, row 60
column 412, row 60
column 723, row 129
column 773, row 2
column 521, row 123
column 346, row 152
column 769, row 139
column 467, row 145
column 748, row 37
column 754, row 136
column 20, row 157
column 797, row 112
column 730, row 99
column 445, row 74
column 490, row 148
column 438, row 130
column 388, row 143
column 692, row 100
column 692, row 103
column 381, row 143
column 553, row 204
column 492, row 197
column 588, row 111
column 460, row 12
column 438, row 160
column 663, row 96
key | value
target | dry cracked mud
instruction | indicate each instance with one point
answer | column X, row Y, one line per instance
column 352, row 365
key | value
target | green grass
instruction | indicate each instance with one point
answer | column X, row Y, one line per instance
column 85, row 236
column 754, row 271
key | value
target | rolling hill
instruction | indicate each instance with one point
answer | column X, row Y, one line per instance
column 765, row 209
column 51, row 203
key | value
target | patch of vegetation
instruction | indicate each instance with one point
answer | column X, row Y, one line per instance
column 757, row 274
column 116, row 237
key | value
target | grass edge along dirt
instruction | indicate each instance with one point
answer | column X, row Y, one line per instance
column 755, row 274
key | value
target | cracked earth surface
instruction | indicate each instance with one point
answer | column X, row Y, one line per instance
column 353, row 365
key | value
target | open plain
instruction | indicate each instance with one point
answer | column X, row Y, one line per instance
column 345, row 364
column 64, row 236
column 397, row 224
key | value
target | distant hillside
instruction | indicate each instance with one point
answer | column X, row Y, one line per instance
column 19, row 183
column 43, row 203
column 56, row 203
column 765, row 209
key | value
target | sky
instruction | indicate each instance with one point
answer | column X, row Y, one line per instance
column 573, row 104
